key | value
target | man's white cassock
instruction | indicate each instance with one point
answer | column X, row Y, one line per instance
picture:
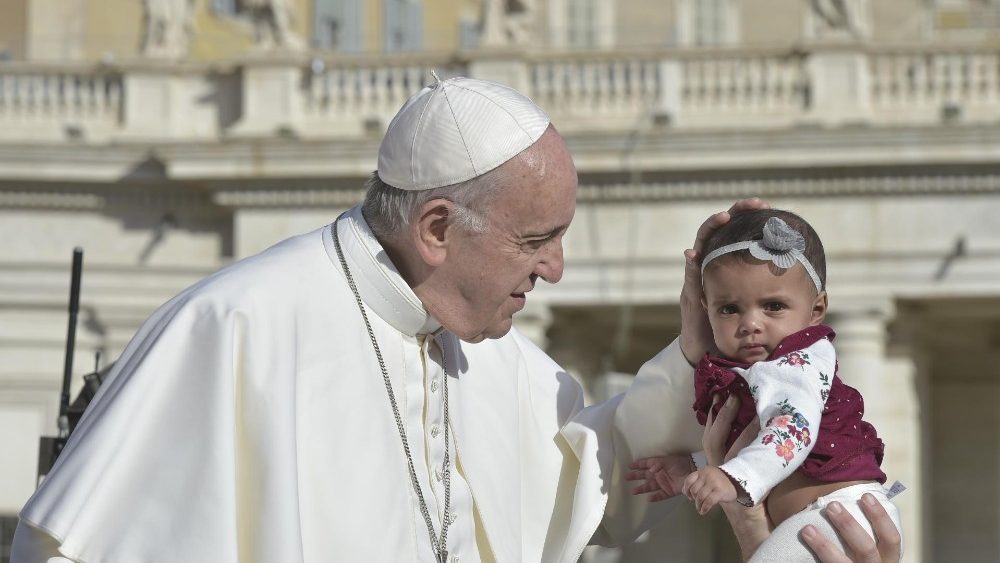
column 248, row 420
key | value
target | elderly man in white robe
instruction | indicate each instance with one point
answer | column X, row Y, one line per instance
column 357, row 393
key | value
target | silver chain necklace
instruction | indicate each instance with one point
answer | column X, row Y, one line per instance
column 440, row 545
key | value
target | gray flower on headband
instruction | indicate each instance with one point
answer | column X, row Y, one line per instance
column 779, row 244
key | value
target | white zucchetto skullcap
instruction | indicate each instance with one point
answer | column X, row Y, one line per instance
column 455, row 130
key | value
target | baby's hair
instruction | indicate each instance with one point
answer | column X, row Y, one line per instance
column 750, row 226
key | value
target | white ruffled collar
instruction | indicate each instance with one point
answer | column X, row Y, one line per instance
column 380, row 284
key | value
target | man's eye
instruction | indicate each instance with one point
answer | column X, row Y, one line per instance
column 728, row 310
column 774, row 307
column 535, row 244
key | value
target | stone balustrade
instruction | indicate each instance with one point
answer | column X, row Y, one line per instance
column 361, row 95
column 949, row 83
column 346, row 97
column 42, row 101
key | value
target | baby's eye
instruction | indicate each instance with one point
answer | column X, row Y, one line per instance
column 728, row 310
column 774, row 306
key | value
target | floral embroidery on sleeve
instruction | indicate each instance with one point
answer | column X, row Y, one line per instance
column 824, row 381
column 800, row 358
column 789, row 432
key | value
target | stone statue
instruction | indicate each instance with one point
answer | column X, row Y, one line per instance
column 839, row 18
column 507, row 22
column 169, row 27
column 272, row 22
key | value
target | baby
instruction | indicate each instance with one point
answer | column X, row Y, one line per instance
column 764, row 277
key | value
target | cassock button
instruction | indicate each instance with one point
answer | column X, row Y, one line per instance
column 454, row 559
column 452, row 516
column 434, row 385
column 435, row 430
column 437, row 473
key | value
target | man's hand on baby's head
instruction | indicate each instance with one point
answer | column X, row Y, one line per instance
column 663, row 476
column 707, row 487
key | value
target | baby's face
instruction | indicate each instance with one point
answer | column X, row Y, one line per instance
column 753, row 305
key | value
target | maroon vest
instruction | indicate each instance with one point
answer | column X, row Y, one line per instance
column 847, row 448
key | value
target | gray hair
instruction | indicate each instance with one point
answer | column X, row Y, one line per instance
column 389, row 209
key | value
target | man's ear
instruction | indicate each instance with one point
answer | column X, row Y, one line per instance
column 819, row 309
column 432, row 230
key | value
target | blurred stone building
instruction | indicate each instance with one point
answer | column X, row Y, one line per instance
column 171, row 137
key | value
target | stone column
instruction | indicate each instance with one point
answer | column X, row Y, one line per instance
column 888, row 383
column 861, row 343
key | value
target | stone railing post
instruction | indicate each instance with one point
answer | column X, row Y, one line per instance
column 669, row 101
column 272, row 96
column 839, row 84
column 504, row 65
column 164, row 100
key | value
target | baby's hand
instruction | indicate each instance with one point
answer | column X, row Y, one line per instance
column 707, row 487
column 663, row 476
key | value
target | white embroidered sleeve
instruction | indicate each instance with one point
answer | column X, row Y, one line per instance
column 790, row 393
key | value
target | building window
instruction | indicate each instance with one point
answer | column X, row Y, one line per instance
column 966, row 15
column 581, row 23
column 403, row 28
column 707, row 22
column 711, row 22
column 224, row 7
column 338, row 25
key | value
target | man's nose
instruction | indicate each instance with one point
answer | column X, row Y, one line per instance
column 550, row 267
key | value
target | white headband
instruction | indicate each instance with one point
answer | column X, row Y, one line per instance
column 781, row 245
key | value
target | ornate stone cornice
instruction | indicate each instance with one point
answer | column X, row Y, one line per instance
column 805, row 147
column 655, row 154
column 100, row 197
column 667, row 191
column 792, row 187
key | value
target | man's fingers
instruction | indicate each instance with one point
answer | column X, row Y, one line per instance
column 663, row 482
column 748, row 435
column 824, row 549
column 854, row 537
column 644, row 488
column 707, row 228
column 651, row 463
column 886, row 533
column 852, row 534
column 714, row 437
column 721, row 218
column 727, row 414
column 748, row 204
column 637, row 475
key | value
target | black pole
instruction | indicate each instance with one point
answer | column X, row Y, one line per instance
column 74, row 307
